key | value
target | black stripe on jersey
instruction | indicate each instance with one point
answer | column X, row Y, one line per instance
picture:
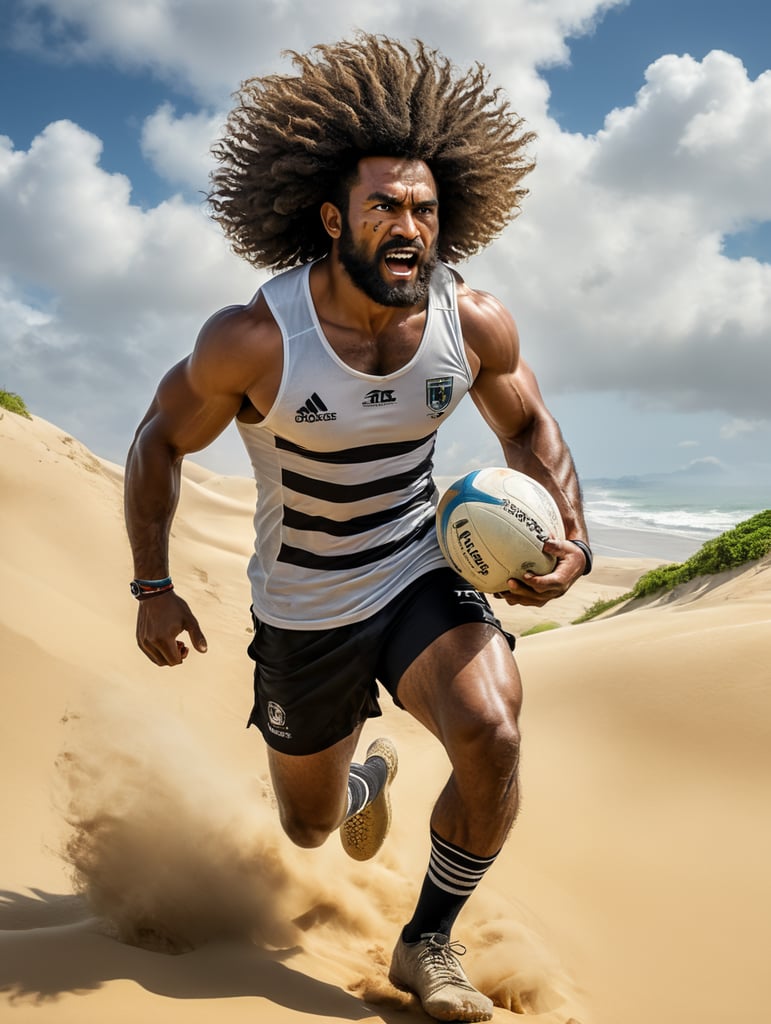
column 358, row 524
column 342, row 493
column 350, row 456
column 354, row 559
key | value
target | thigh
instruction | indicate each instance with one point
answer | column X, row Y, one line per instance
column 435, row 604
column 464, row 687
column 313, row 787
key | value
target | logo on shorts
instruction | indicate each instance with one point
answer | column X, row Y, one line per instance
column 438, row 395
column 277, row 720
column 467, row 595
column 276, row 714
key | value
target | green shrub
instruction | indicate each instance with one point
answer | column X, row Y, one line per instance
column 746, row 542
column 541, row 627
column 600, row 606
column 13, row 403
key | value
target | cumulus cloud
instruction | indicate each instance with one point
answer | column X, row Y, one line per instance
column 98, row 297
column 616, row 265
column 698, row 131
column 178, row 148
column 207, row 49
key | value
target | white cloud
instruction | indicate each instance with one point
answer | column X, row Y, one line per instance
column 740, row 427
column 698, row 130
column 179, row 147
column 119, row 293
column 207, row 49
column 615, row 269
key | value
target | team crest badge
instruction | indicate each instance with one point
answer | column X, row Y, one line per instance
column 438, row 394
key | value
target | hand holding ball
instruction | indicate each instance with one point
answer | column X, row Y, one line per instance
column 492, row 525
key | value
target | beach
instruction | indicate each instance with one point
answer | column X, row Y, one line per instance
column 143, row 872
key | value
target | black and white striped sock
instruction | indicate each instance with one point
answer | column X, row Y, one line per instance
column 453, row 875
column 364, row 783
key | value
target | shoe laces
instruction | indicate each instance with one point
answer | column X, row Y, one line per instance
column 442, row 958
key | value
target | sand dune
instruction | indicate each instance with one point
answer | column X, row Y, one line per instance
column 143, row 873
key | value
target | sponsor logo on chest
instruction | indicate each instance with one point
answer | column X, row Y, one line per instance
column 314, row 410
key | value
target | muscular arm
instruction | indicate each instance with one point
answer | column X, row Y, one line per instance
column 507, row 395
column 194, row 403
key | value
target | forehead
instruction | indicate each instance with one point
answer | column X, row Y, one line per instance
column 395, row 176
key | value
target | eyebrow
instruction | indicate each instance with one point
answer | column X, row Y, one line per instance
column 385, row 197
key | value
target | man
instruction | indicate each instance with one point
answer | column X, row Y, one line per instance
column 366, row 173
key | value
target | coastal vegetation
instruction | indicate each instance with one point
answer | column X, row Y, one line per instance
column 746, row 542
column 13, row 403
column 541, row 627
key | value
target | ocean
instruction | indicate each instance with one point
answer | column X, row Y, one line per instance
column 666, row 517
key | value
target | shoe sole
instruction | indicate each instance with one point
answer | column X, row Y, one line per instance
column 364, row 833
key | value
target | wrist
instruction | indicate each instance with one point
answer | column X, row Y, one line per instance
column 142, row 589
column 587, row 553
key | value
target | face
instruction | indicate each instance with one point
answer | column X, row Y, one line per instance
column 387, row 241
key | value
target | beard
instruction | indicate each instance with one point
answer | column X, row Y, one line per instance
column 365, row 272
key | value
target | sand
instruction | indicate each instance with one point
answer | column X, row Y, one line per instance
column 143, row 873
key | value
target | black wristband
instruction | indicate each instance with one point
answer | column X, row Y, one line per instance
column 587, row 555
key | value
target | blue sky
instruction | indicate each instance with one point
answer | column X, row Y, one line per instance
column 638, row 272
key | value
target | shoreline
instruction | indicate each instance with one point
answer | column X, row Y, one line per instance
column 618, row 542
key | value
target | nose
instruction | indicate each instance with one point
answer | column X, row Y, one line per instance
column 404, row 226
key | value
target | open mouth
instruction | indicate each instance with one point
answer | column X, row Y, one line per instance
column 401, row 262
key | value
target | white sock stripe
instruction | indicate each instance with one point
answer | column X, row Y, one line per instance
column 462, row 864
column 441, row 847
column 440, row 883
column 454, row 873
column 362, row 782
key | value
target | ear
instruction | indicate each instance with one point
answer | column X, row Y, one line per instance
column 332, row 220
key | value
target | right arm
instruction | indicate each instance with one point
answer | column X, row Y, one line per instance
column 194, row 403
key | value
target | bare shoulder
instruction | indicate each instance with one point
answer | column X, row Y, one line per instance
column 237, row 337
column 239, row 352
column 489, row 330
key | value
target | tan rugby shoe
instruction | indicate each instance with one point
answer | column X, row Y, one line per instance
column 364, row 833
column 430, row 969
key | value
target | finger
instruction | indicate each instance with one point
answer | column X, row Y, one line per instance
column 166, row 652
column 197, row 638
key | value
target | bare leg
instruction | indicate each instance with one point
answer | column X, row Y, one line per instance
column 312, row 790
column 465, row 688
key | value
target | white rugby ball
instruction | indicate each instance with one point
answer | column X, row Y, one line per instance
column 492, row 525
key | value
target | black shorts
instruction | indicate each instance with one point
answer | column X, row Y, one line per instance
column 313, row 687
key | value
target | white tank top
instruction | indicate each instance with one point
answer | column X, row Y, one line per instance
column 343, row 462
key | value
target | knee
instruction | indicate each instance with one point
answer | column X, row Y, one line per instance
column 492, row 745
column 501, row 748
column 306, row 832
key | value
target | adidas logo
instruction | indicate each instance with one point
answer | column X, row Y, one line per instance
column 313, row 410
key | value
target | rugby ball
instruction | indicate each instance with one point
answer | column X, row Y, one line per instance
column 492, row 525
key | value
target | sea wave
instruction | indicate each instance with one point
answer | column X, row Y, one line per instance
column 651, row 513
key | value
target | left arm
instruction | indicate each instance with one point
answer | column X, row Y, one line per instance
column 507, row 394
